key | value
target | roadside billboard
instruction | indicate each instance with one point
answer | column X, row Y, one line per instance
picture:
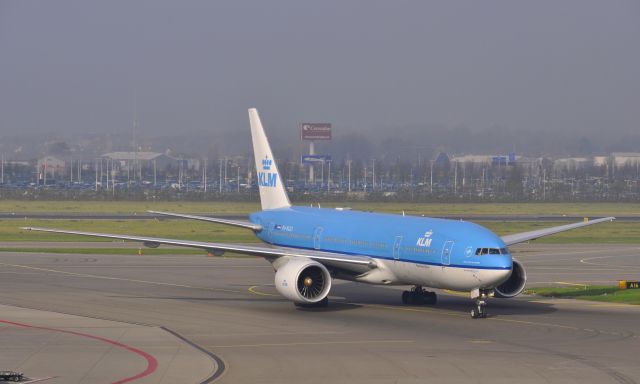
column 315, row 131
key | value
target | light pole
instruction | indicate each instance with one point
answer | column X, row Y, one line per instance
column 349, row 168
column 431, row 177
column 329, row 178
column 373, row 175
column 204, row 175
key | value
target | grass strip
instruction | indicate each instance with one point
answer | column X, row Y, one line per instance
column 240, row 208
column 619, row 232
column 609, row 294
column 174, row 229
column 118, row 251
column 104, row 251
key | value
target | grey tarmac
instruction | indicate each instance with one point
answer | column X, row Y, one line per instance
column 229, row 307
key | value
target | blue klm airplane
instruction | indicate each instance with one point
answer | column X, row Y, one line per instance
column 309, row 247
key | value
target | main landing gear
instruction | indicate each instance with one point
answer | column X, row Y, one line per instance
column 418, row 296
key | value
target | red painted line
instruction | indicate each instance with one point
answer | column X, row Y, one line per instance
column 152, row 363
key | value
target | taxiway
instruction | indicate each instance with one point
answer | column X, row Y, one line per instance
column 229, row 308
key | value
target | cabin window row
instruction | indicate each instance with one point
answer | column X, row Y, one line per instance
column 357, row 243
column 417, row 250
column 492, row 251
column 292, row 235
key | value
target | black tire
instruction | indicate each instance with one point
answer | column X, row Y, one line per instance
column 430, row 298
column 406, row 297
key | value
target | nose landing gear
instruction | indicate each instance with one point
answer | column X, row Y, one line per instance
column 479, row 311
column 418, row 296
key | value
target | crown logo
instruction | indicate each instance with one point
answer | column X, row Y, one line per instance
column 266, row 163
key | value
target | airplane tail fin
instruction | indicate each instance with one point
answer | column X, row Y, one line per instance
column 272, row 191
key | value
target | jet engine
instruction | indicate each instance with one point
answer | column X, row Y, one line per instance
column 514, row 284
column 304, row 281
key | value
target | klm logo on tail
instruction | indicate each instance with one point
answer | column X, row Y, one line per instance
column 267, row 179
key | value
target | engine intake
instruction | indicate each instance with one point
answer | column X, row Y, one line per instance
column 303, row 281
column 514, row 285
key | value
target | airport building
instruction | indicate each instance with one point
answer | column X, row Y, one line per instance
column 50, row 167
column 621, row 159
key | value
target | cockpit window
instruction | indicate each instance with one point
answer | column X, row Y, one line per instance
column 492, row 251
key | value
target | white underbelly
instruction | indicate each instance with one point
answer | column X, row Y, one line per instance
column 455, row 278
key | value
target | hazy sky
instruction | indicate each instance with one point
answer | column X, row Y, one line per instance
column 198, row 65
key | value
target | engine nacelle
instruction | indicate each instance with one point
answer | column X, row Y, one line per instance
column 514, row 285
column 303, row 281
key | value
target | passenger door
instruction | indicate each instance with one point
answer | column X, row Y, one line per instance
column 396, row 247
column 317, row 237
column 446, row 252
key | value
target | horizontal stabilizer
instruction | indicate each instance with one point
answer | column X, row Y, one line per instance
column 236, row 223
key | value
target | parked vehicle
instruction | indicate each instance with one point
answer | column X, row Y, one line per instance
column 11, row 376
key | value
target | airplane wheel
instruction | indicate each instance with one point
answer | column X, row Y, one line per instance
column 406, row 297
column 430, row 298
column 479, row 312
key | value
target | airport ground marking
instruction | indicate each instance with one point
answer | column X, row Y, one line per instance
column 152, row 363
column 311, row 343
column 539, row 284
column 585, row 303
column 253, row 290
column 573, row 284
column 85, row 275
column 457, row 293
column 412, row 309
column 626, row 267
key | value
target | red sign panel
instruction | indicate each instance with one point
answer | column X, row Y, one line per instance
column 315, row 131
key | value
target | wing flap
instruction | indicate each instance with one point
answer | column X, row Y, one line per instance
column 532, row 235
column 261, row 251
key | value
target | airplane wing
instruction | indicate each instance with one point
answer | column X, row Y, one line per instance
column 357, row 264
column 237, row 223
column 532, row 235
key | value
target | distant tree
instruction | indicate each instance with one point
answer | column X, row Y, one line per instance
column 514, row 183
column 58, row 148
